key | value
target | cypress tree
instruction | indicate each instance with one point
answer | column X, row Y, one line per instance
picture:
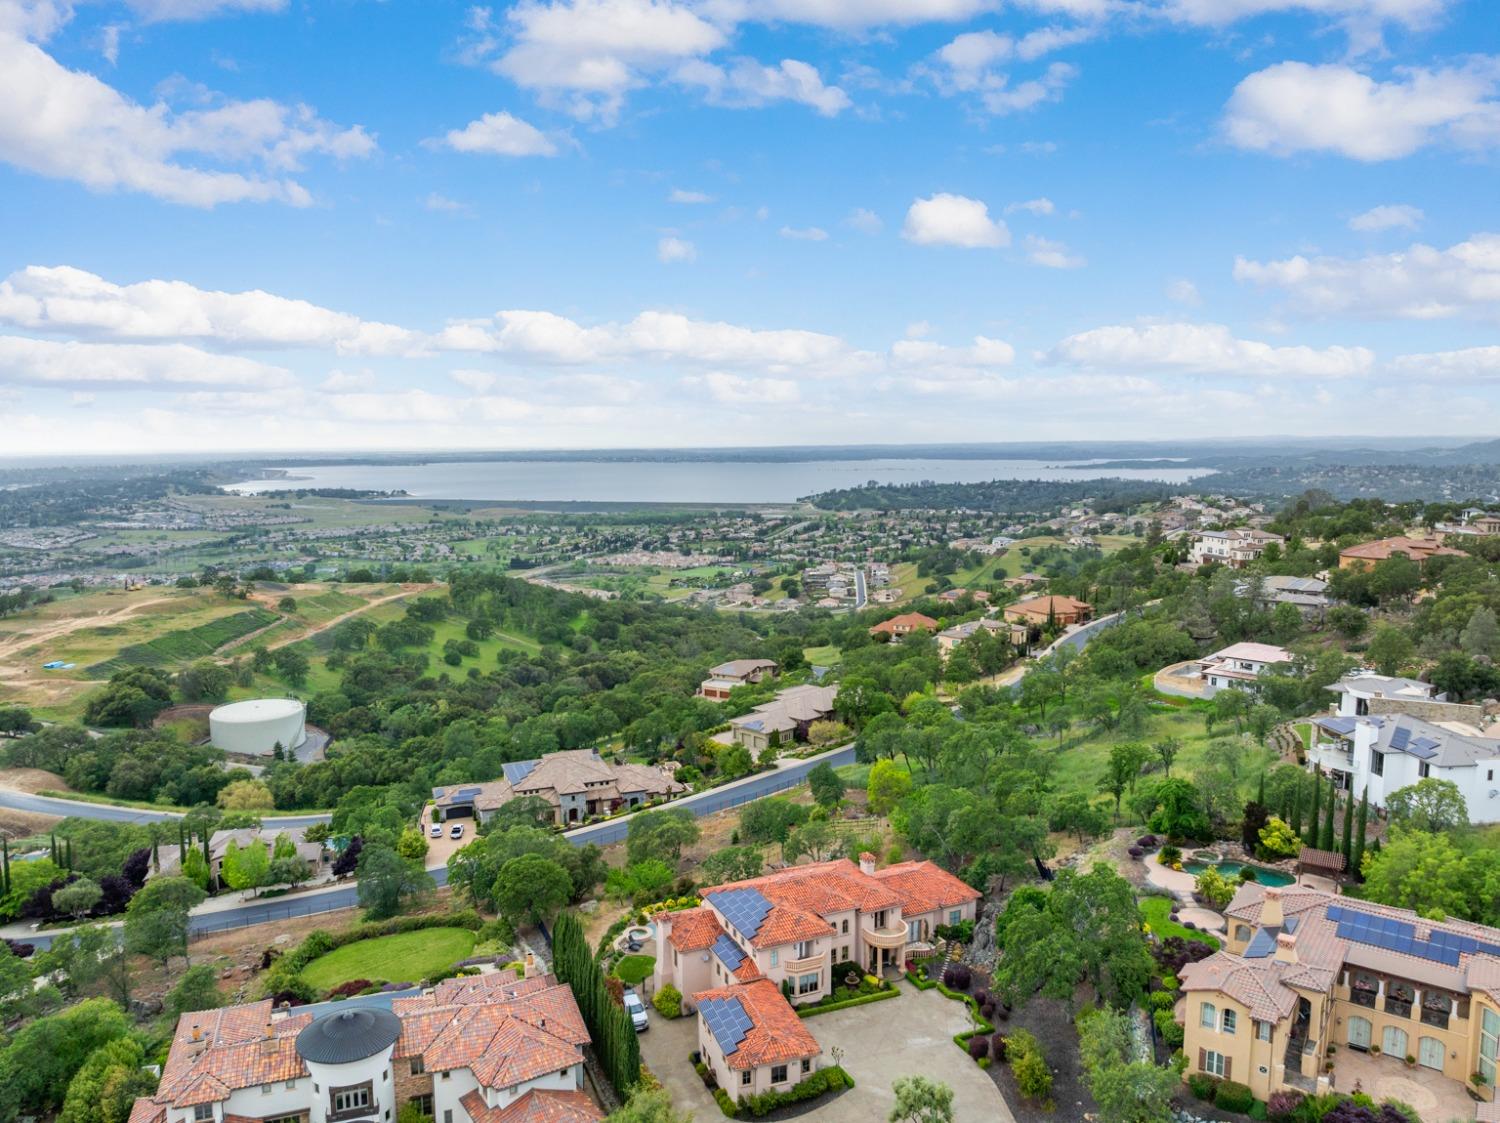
column 68, row 855
column 1315, row 817
column 1260, row 795
column 5, row 867
column 181, row 846
column 1348, row 827
column 56, row 857
column 1325, row 836
column 1295, row 822
column 1356, row 860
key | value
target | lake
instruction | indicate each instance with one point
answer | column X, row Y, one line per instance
column 677, row 481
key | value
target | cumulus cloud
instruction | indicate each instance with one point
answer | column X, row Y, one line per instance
column 342, row 381
column 1471, row 364
column 939, row 358
column 1050, row 254
column 500, row 134
column 1042, row 206
column 673, row 249
column 745, row 83
column 1363, row 19
column 733, row 389
column 120, row 366
column 66, row 124
column 954, row 220
column 61, row 299
column 865, row 221
column 976, row 64
column 1208, row 349
column 1294, row 107
column 1395, row 216
column 805, row 233
column 1418, row 283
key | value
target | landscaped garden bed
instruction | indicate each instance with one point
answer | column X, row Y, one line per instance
column 800, row 1098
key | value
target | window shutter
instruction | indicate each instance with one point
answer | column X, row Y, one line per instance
column 1202, row 1060
column 1228, row 1067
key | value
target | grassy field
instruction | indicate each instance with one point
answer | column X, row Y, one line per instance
column 825, row 656
column 1156, row 911
column 404, row 957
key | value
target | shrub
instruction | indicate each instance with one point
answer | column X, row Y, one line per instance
column 1136, row 852
column 1284, row 1107
column 1171, row 1033
column 1170, row 855
column 957, row 977
column 668, row 1002
column 997, row 1047
column 1162, row 1000
column 1147, row 842
column 1033, row 1077
column 1203, row 1085
column 349, row 989
column 1234, row 1096
column 979, row 1046
column 726, row 1103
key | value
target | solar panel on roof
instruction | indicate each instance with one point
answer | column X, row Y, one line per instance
column 726, row 1020
column 1399, row 737
column 745, row 909
column 728, row 952
column 518, row 770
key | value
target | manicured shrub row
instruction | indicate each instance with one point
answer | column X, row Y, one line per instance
column 820, row 1083
column 844, row 1004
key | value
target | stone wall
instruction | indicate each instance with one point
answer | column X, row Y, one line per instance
column 1429, row 711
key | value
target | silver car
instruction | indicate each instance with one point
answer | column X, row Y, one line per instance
column 637, row 1011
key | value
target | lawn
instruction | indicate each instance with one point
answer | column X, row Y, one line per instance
column 404, row 957
column 826, row 656
column 1157, row 913
column 633, row 970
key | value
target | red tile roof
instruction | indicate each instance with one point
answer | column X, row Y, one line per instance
column 924, row 887
column 693, row 929
column 907, row 621
column 539, row 1105
column 776, row 1033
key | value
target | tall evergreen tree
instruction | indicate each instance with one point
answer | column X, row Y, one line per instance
column 1325, row 840
column 1357, row 859
column 5, row 871
column 1295, row 822
column 1348, row 828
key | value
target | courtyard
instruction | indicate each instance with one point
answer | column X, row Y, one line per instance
column 1435, row 1097
column 881, row 1042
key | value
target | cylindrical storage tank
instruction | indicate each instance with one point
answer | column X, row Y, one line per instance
column 348, row 1056
column 258, row 726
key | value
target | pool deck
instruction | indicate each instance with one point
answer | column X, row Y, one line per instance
column 1180, row 883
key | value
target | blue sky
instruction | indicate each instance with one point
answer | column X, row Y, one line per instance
column 296, row 224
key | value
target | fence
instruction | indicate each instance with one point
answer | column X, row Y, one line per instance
column 709, row 802
column 209, row 924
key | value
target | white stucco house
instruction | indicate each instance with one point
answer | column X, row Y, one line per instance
column 1356, row 691
column 1238, row 666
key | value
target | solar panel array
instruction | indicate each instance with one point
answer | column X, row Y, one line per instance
column 466, row 793
column 746, row 909
column 1424, row 748
column 1401, row 936
column 518, row 770
column 726, row 1020
column 1263, row 943
column 729, row 952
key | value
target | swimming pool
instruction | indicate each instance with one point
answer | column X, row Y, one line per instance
column 1231, row 870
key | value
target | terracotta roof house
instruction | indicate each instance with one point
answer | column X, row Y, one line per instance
column 949, row 638
column 784, row 719
column 792, row 928
column 577, row 783
column 1037, row 611
column 903, row 625
column 487, row 1049
column 737, row 672
column 1303, row 972
column 1367, row 554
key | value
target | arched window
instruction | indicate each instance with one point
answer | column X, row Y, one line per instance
column 1208, row 1016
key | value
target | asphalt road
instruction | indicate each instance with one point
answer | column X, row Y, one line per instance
column 47, row 805
column 860, row 593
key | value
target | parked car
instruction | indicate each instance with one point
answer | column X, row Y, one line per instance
column 637, row 1011
column 437, row 830
column 457, row 831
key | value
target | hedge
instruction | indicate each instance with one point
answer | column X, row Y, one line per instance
column 726, row 1103
column 878, row 996
column 825, row 1080
column 1233, row 1096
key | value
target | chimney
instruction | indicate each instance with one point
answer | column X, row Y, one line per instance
column 1286, row 948
column 530, row 964
column 198, row 1042
column 268, row 1042
column 1271, row 915
column 867, row 863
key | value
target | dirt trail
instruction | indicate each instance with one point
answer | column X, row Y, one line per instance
column 14, row 645
column 32, row 780
column 405, row 591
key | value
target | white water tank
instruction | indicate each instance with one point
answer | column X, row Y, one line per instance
column 256, row 727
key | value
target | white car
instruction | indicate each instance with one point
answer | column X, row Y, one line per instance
column 457, row 831
column 637, row 1011
column 437, row 830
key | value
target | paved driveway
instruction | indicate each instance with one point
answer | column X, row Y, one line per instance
column 881, row 1042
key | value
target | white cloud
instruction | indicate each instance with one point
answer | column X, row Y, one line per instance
column 746, row 83
column 1293, row 107
column 865, row 221
column 971, row 64
column 1472, row 364
column 672, row 248
column 1052, row 255
column 732, row 389
column 678, row 195
column 444, row 205
column 153, row 11
column 805, row 234
column 1209, row 349
column 1363, row 19
column 1183, row 291
column 1042, row 206
column 398, row 407
column 66, row 124
column 501, row 134
column 918, row 329
column 1418, row 283
column 654, row 337
column 480, row 381
column 128, row 366
column 940, row 359
column 73, row 301
column 954, row 220
column 342, row 381
column 1394, row 216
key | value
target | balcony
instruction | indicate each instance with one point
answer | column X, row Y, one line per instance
column 804, row 966
column 888, row 937
column 1397, row 1007
column 1438, row 1018
column 1362, row 997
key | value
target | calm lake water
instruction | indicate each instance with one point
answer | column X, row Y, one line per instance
column 645, row 481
